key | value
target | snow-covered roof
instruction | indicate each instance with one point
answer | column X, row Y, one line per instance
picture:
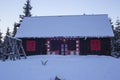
column 66, row 26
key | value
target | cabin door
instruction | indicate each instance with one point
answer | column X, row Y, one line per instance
column 64, row 49
column 63, row 46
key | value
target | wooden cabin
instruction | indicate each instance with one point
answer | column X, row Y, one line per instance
column 66, row 35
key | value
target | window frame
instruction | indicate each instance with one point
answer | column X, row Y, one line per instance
column 30, row 45
column 95, row 45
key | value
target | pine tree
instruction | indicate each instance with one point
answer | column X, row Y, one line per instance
column 15, row 29
column 116, row 52
column 0, row 37
column 117, row 29
column 27, row 8
column 113, row 39
column 1, row 44
column 110, row 19
column 8, row 32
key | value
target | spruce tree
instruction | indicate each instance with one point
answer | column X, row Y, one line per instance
column 0, row 38
column 8, row 32
column 110, row 19
column 16, row 25
column 113, row 39
column 117, row 39
column 0, row 43
column 117, row 29
column 27, row 8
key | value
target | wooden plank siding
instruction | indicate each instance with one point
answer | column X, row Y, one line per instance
column 105, row 46
column 87, row 46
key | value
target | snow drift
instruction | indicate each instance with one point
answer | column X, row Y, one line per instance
column 65, row 67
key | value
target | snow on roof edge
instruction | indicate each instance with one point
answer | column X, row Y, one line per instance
column 45, row 36
column 68, row 15
column 72, row 37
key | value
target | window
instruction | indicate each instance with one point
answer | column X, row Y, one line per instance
column 95, row 45
column 30, row 45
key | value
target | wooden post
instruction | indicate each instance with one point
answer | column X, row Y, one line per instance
column 48, row 47
column 77, row 47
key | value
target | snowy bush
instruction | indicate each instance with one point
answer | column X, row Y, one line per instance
column 116, row 54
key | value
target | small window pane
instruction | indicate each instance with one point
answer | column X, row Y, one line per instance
column 30, row 45
column 95, row 45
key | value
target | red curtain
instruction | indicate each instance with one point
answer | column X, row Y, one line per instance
column 95, row 45
column 30, row 45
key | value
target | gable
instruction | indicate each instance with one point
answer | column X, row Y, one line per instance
column 66, row 26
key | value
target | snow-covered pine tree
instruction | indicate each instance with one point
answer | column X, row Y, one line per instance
column 1, row 43
column 8, row 32
column 16, row 25
column 0, row 38
column 117, row 34
column 113, row 39
column 117, row 39
column 27, row 8
column 111, row 22
column 117, row 29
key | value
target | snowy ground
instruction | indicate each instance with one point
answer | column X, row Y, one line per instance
column 65, row 67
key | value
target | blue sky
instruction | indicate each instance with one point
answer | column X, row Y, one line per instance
column 11, row 9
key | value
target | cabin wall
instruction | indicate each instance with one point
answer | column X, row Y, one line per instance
column 34, row 46
column 101, row 46
column 106, row 46
column 85, row 46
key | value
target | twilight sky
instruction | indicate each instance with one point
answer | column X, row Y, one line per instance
column 11, row 9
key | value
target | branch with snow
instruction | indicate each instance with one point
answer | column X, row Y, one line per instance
column 44, row 63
